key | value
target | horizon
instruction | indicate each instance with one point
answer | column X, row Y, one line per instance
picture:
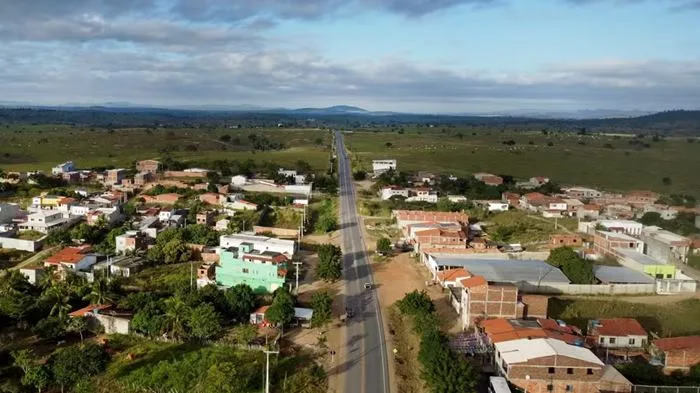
column 432, row 57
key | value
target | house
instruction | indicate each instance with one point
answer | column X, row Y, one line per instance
column 8, row 212
column 43, row 221
column 565, row 240
column 33, row 274
column 125, row 266
column 263, row 271
column 212, row 198
column 621, row 275
column 131, row 241
column 628, row 227
column 381, row 166
column 115, row 176
column 302, row 316
column 111, row 320
column 489, row 179
column 542, row 365
column 222, row 225
column 665, row 246
column 451, row 277
column 582, row 192
column 422, row 194
column 389, row 192
column 608, row 243
column 532, row 200
column 457, row 198
column 73, row 258
column 588, row 211
column 497, row 206
column 239, row 180
column 165, row 214
column 404, row 218
column 643, row 263
column 677, row 353
column 641, row 198
column 501, row 329
column 164, row 199
column 67, row 166
column 538, row 181
column 71, row 177
column 262, row 243
column 666, row 212
column 477, row 298
column 624, row 333
column 107, row 215
column 148, row 166
column 440, row 238
column 46, row 201
column 141, row 178
column 205, row 218
column 240, row 205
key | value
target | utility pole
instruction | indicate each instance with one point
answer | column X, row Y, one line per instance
column 267, row 369
column 191, row 274
column 297, row 264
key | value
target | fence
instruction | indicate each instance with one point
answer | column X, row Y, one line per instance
column 585, row 289
column 665, row 389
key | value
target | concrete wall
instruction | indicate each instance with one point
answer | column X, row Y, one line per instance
column 279, row 232
column 584, row 289
column 114, row 324
column 19, row 244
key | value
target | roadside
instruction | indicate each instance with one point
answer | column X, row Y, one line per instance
column 36, row 258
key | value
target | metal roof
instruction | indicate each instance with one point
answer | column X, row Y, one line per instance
column 621, row 274
column 524, row 350
column 638, row 257
column 507, row 270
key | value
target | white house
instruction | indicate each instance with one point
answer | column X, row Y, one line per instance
column 262, row 243
column 628, row 227
column 381, row 166
column 222, row 225
column 497, row 206
column 239, row 180
column 618, row 333
column 241, row 205
column 582, row 192
column 423, row 195
column 389, row 192
column 73, row 258
column 43, row 221
column 164, row 215
column 33, row 274
column 456, row 198
column 67, row 166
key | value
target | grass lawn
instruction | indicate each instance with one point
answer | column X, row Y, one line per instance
column 608, row 162
column 521, row 227
column 30, row 235
column 24, row 147
column 677, row 319
column 694, row 261
column 163, row 277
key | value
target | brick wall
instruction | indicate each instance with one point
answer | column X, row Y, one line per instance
column 494, row 301
column 535, row 306
column 681, row 359
column 569, row 376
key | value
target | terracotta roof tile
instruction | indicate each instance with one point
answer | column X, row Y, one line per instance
column 453, row 274
column 85, row 310
column 474, row 281
column 69, row 255
column 619, row 327
column 675, row 343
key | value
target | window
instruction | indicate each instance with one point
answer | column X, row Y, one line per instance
column 551, row 370
column 569, row 388
column 550, row 387
column 569, row 371
column 612, row 340
column 669, row 276
column 245, row 270
column 589, row 371
column 631, row 341
column 602, row 340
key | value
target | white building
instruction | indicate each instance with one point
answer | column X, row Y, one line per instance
column 262, row 243
column 456, row 198
column 381, row 166
column 423, row 195
column 33, row 274
column 582, row 192
column 239, row 180
column 43, row 221
column 497, row 206
column 628, row 227
column 222, row 225
column 67, row 166
column 164, row 215
column 393, row 191
column 240, row 205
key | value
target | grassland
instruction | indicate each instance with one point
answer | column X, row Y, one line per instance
column 31, row 147
column 606, row 161
column 666, row 320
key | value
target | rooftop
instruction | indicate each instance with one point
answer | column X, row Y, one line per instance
column 524, row 350
column 88, row 309
column 506, row 270
column 69, row 255
column 618, row 327
column 676, row 343
column 621, row 274
column 617, row 235
column 638, row 257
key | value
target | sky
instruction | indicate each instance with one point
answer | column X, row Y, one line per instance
column 425, row 56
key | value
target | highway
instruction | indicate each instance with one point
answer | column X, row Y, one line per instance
column 365, row 365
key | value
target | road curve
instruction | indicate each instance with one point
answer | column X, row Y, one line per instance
column 365, row 368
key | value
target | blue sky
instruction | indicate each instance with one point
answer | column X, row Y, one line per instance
column 402, row 55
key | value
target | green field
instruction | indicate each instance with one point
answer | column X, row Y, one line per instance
column 29, row 147
column 609, row 162
column 667, row 320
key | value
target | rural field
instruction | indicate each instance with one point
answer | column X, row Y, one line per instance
column 30, row 147
column 612, row 162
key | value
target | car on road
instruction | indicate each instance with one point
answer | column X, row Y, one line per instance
column 368, row 285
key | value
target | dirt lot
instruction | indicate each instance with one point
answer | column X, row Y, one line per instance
column 396, row 277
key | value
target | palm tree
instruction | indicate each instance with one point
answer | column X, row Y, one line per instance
column 48, row 279
column 59, row 297
column 176, row 312
column 78, row 325
column 100, row 293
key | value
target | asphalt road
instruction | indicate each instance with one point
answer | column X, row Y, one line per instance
column 365, row 365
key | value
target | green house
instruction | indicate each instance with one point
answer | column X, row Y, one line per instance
column 264, row 271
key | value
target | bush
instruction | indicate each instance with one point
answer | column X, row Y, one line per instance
column 577, row 269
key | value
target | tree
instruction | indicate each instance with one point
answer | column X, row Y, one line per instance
column 240, row 301
column 36, row 375
column 666, row 181
column 308, row 380
column 58, row 237
column 70, row 365
column 384, row 246
column 329, row 262
column 359, row 175
column 58, row 297
column 577, row 269
column 50, row 327
column 77, row 325
column 327, row 223
column 281, row 311
column 416, row 303
column 100, row 293
column 16, row 296
column 176, row 316
column 149, row 319
column 321, row 303
column 204, row 322
column 224, row 378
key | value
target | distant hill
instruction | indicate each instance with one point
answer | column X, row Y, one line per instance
column 678, row 120
column 337, row 109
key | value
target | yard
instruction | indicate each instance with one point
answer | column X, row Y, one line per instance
column 666, row 320
column 517, row 226
column 609, row 162
column 30, row 235
column 164, row 277
column 25, row 147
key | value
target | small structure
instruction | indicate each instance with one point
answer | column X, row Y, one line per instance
column 72, row 258
column 148, row 166
column 381, row 166
column 33, row 274
column 239, row 180
column 565, row 240
column 620, row 275
column 125, row 266
column 677, row 353
column 107, row 317
column 624, row 333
